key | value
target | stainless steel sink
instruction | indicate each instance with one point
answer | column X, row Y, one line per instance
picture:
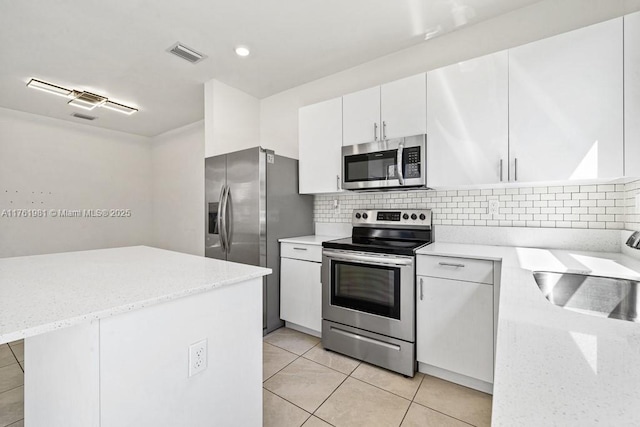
column 595, row 295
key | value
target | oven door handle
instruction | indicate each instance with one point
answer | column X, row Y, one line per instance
column 369, row 259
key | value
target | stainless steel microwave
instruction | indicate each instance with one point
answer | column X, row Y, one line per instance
column 391, row 163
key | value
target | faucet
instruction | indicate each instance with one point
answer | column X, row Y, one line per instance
column 634, row 240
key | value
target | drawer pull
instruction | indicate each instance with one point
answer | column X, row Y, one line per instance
column 299, row 249
column 450, row 264
column 421, row 290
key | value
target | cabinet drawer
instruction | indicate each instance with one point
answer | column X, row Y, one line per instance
column 468, row 270
column 301, row 251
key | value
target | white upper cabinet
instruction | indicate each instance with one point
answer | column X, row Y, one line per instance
column 566, row 105
column 393, row 110
column 468, row 122
column 320, row 147
column 632, row 94
column 361, row 116
column 403, row 107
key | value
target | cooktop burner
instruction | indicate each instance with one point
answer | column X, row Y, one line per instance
column 399, row 232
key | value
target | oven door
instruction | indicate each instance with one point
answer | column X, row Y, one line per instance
column 374, row 292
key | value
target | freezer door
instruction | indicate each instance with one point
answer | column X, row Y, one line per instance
column 246, row 207
column 215, row 178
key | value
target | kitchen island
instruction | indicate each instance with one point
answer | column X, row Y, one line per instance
column 553, row 366
column 107, row 336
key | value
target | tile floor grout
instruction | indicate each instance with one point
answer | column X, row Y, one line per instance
column 347, row 376
column 298, row 356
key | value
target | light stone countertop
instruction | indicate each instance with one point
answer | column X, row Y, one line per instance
column 313, row 239
column 556, row 367
column 42, row 293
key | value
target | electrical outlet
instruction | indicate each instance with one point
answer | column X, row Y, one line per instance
column 197, row 357
column 494, row 206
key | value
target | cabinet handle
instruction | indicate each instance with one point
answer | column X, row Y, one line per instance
column 421, row 292
column 384, row 130
column 515, row 173
column 450, row 264
column 500, row 170
column 299, row 249
column 338, row 182
column 375, row 131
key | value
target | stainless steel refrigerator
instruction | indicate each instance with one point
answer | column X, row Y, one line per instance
column 252, row 200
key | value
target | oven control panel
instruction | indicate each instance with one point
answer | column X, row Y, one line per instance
column 392, row 217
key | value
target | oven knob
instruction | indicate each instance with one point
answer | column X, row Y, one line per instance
column 405, row 216
column 365, row 216
column 414, row 216
column 422, row 217
column 358, row 216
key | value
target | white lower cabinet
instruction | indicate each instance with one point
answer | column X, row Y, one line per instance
column 301, row 290
column 455, row 322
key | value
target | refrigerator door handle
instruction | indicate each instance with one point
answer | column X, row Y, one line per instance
column 223, row 218
column 219, row 221
column 229, row 227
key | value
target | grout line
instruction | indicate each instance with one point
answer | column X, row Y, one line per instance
column 419, row 385
column 444, row 413
column 280, row 370
column 13, row 388
column 288, row 401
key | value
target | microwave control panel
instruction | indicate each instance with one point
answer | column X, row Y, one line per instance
column 411, row 162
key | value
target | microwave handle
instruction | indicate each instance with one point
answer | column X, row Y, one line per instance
column 399, row 164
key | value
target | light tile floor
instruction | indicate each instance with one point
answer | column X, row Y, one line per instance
column 305, row 385
column 12, row 384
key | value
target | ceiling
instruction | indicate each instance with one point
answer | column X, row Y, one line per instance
column 118, row 48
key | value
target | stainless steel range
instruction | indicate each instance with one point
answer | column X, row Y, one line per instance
column 368, row 288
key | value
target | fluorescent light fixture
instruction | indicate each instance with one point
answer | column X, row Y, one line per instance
column 120, row 108
column 48, row 87
column 80, row 99
column 87, row 100
column 242, row 51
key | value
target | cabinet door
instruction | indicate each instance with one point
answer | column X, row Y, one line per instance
column 632, row 94
column 565, row 105
column 454, row 328
column 361, row 116
column 320, row 147
column 468, row 122
column 301, row 293
column 403, row 105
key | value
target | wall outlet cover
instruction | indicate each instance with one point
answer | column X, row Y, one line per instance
column 197, row 357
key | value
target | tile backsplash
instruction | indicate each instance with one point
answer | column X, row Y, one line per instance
column 598, row 206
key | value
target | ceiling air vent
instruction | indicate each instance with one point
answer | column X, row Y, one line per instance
column 84, row 116
column 186, row 53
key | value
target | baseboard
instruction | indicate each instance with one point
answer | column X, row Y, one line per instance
column 453, row 377
column 303, row 329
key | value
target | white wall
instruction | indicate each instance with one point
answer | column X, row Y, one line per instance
column 279, row 113
column 232, row 119
column 52, row 164
column 177, row 157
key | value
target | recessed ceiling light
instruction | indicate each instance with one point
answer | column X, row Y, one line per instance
column 48, row 87
column 242, row 51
